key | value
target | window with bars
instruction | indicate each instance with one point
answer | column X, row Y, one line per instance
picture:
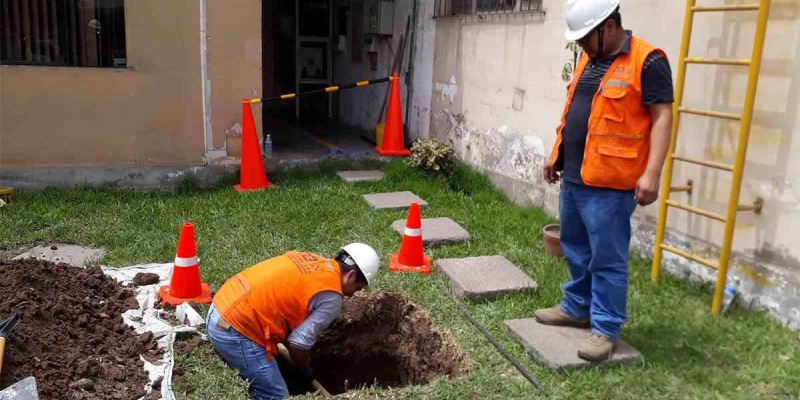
column 77, row 33
column 444, row 8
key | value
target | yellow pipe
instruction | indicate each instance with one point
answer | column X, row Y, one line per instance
column 729, row 7
column 718, row 114
column 362, row 83
column 689, row 256
column 741, row 154
column 718, row 61
column 331, row 89
column 695, row 210
column 710, row 164
column 688, row 19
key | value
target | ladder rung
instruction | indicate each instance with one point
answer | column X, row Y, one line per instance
column 729, row 7
column 717, row 61
column 692, row 257
column 718, row 114
column 696, row 210
column 710, row 164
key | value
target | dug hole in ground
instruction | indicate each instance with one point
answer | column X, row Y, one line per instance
column 97, row 332
column 380, row 339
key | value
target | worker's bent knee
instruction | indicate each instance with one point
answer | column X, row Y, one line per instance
column 266, row 381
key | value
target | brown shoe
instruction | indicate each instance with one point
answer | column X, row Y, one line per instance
column 554, row 316
column 597, row 348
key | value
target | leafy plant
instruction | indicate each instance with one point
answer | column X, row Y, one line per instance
column 433, row 156
column 569, row 66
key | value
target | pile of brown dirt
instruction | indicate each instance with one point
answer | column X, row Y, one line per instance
column 383, row 339
column 72, row 337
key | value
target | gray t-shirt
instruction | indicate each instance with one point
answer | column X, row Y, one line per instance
column 324, row 307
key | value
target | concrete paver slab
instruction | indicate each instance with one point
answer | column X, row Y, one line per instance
column 437, row 231
column 557, row 346
column 360, row 176
column 66, row 253
column 485, row 277
column 393, row 201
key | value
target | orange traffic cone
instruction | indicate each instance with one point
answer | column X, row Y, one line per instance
column 253, row 176
column 185, row 284
column 411, row 257
column 393, row 144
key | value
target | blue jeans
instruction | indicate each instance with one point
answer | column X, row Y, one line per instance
column 249, row 359
column 595, row 237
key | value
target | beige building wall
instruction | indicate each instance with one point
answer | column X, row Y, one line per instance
column 149, row 113
column 234, row 63
column 153, row 111
column 499, row 95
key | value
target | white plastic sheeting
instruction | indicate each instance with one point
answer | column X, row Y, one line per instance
column 148, row 318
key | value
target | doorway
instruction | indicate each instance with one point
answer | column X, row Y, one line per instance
column 298, row 56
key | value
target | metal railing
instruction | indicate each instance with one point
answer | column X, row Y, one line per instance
column 452, row 8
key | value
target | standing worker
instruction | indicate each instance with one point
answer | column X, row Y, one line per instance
column 610, row 148
column 292, row 298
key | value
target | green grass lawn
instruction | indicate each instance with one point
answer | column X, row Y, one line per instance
column 689, row 354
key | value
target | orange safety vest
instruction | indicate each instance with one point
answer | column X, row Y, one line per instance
column 268, row 300
column 618, row 141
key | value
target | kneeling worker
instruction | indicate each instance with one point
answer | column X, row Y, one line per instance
column 290, row 298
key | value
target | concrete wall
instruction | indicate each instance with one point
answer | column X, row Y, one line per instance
column 149, row 113
column 361, row 107
column 498, row 94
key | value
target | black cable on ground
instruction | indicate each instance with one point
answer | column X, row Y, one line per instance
column 502, row 351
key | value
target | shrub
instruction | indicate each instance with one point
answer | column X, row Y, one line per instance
column 433, row 156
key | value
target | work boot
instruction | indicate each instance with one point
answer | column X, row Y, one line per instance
column 554, row 316
column 597, row 348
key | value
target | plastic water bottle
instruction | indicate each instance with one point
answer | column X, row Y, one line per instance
column 268, row 146
column 731, row 289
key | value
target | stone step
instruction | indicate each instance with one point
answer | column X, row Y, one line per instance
column 393, row 200
column 360, row 176
column 557, row 346
column 485, row 277
column 437, row 231
column 64, row 253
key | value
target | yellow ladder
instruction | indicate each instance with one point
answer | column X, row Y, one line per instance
column 737, row 169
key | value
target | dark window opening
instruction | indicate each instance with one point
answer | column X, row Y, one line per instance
column 75, row 33
column 495, row 5
column 445, row 8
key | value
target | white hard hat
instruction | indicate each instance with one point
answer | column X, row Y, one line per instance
column 366, row 259
column 584, row 15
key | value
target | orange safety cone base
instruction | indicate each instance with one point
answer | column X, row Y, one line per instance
column 394, row 265
column 397, row 153
column 239, row 189
column 203, row 298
